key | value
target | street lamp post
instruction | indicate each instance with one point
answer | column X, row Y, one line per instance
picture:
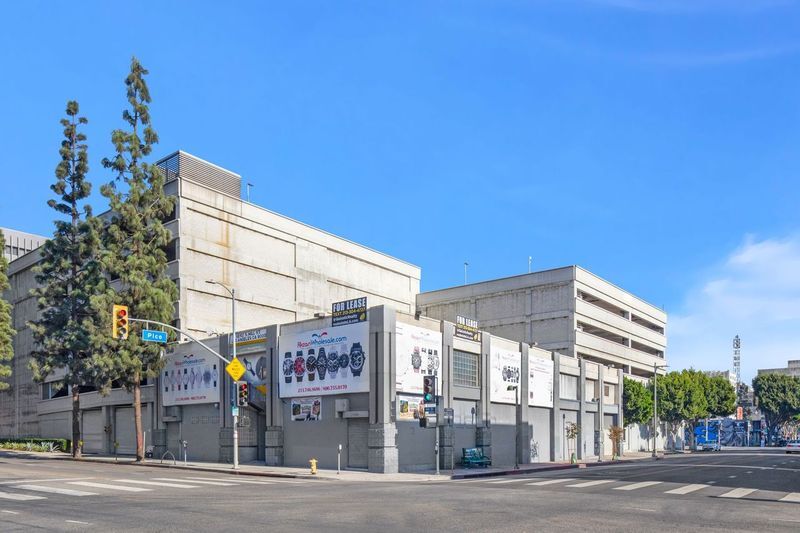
column 656, row 368
column 232, row 292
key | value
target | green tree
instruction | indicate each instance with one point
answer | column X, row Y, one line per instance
column 721, row 396
column 68, row 276
column 682, row 399
column 637, row 402
column 6, row 331
column 778, row 398
column 134, row 245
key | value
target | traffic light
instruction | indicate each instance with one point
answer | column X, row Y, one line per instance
column 242, row 393
column 429, row 389
column 119, row 322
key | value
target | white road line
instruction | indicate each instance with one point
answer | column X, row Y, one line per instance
column 198, row 482
column 237, row 480
column 737, row 493
column 15, row 481
column 686, row 489
column 55, row 490
column 8, row 512
column 635, row 486
column 157, row 483
column 106, row 486
column 552, row 481
column 77, row 522
column 591, row 483
column 20, row 497
column 508, row 480
column 791, row 497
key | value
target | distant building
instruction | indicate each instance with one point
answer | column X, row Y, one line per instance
column 19, row 243
column 792, row 369
column 727, row 374
column 568, row 310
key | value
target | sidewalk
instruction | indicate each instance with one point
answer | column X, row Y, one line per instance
column 259, row 469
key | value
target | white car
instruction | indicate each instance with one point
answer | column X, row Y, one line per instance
column 793, row 446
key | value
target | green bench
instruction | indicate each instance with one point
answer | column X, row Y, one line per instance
column 474, row 457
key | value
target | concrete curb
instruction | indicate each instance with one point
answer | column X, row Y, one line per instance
column 194, row 468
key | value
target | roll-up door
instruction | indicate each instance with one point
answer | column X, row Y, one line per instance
column 125, row 430
column 357, row 430
column 92, row 431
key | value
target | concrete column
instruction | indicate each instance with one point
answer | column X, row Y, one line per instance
column 600, row 423
column 273, row 413
column 446, row 433
column 524, row 427
column 483, row 431
column 556, row 420
column 382, row 453
column 618, row 399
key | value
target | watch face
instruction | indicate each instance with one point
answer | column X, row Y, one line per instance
column 299, row 366
column 344, row 360
column 322, row 360
column 416, row 360
column 311, row 363
column 288, row 367
column 333, row 363
column 356, row 356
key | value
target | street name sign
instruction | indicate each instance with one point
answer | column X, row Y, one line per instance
column 151, row 335
column 235, row 369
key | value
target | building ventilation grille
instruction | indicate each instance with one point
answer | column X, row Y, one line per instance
column 186, row 166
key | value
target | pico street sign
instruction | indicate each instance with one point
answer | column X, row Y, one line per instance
column 151, row 335
column 235, row 369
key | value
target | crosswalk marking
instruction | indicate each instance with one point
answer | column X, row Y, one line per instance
column 157, row 483
column 636, row 486
column 686, row 489
column 509, row 481
column 107, row 486
column 20, row 497
column 737, row 493
column 237, row 480
column 552, row 481
column 791, row 497
column 55, row 490
column 198, row 482
column 16, row 481
column 592, row 483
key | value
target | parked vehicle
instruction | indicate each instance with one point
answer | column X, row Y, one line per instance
column 793, row 446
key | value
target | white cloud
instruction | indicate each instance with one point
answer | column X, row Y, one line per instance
column 753, row 293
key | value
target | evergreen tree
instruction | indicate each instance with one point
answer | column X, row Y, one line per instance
column 134, row 245
column 778, row 398
column 68, row 276
column 6, row 332
column 721, row 396
column 637, row 402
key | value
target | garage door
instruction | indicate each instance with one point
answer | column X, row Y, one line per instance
column 357, row 430
column 125, row 430
column 92, row 431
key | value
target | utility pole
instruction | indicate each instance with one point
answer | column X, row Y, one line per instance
column 234, row 408
column 465, row 272
column 530, row 260
column 656, row 368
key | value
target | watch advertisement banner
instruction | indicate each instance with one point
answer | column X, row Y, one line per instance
column 540, row 381
column 191, row 378
column 307, row 409
column 408, row 407
column 349, row 312
column 418, row 354
column 504, row 371
column 467, row 328
column 324, row 361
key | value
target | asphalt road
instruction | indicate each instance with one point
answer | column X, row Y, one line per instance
column 727, row 491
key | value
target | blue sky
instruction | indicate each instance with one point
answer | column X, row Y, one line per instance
column 653, row 142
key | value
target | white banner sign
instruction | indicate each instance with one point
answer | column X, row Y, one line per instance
column 540, row 381
column 418, row 353
column 408, row 407
column 325, row 361
column 191, row 378
column 504, row 371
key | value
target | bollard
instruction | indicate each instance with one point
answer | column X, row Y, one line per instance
column 313, row 466
column 339, row 460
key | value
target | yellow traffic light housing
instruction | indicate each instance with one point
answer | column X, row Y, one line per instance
column 119, row 322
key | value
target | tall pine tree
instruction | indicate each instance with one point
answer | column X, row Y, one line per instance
column 135, row 242
column 6, row 332
column 68, row 276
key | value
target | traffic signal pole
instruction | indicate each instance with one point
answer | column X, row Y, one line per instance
column 235, row 412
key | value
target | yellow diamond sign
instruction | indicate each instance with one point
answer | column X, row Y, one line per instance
column 235, row 369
